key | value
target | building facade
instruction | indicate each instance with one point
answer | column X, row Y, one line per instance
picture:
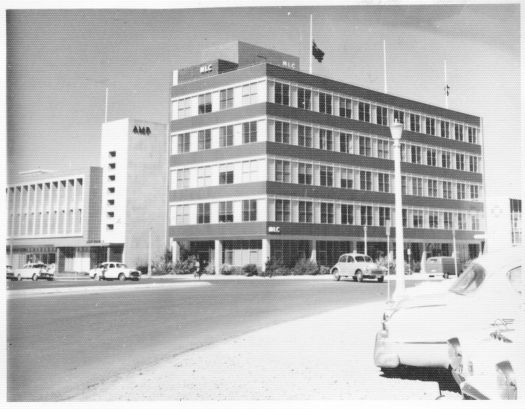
column 267, row 161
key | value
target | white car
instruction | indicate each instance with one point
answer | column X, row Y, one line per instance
column 358, row 266
column 34, row 271
column 415, row 330
column 114, row 270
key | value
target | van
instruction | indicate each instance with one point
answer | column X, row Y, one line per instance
column 441, row 266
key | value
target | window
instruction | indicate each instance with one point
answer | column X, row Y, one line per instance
column 431, row 157
column 445, row 129
column 205, row 139
column 204, row 176
column 346, row 143
column 203, row 213
column 445, row 160
column 404, row 216
column 347, row 178
column 364, row 112
column 462, row 221
column 430, row 126
column 366, row 216
column 415, row 123
column 305, row 173
column 226, row 98
column 461, row 191
column 183, row 178
column 447, row 190
column 433, row 220
column 282, row 210
column 365, row 180
column 416, row 154
column 383, row 149
column 250, row 170
column 184, row 108
column 282, row 132
column 325, row 139
column 345, row 107
column 304, row 137
column 304, row 98
column 282, row 171
column 432, row 188
column 404, row 190
column 472, row 135
column 417, row 186
column 325, row 103
column 473, row 164
column 249, row 93
column 249, row 132
column 347, row 214
column 282, row 94
column 460, row 161
column 205, row 103
column 225, row 174
column 225, row 212
column 384, row 182
column 475, row 222
column 382, row 116
column 305, row 212
column 417, row 218
column 249, row 210
column 327, row 213
column 458, row 132
column 183, row 143
column 384, row 215
column 399, row 116
column 447, row 220
column 226, row 136
column 474, row 192
column 365, row 146
column 327, row 176
column 182, row 214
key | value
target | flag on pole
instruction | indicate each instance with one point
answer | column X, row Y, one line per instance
column 317, row 52
column 447, row 90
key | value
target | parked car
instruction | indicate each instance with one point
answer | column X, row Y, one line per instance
column 443, row 266
column 488, row 362
column 34, row 271
column 358, row 266
column 114, row 270
column 415, row 330
column 9, row 273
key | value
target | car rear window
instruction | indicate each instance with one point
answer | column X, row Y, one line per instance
column 342, row 259
column 470, row 280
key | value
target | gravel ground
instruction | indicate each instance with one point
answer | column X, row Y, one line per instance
column 327, row 357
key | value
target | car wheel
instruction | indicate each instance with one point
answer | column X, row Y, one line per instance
column 34, row 277
column 337, row 277
column 18, row 277
column 121, row 277
column 380, row 279
column 354, row 278
column 359, row 276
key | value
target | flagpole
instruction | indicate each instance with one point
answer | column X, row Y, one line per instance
column 384, row 65
column 311, row 42
column 446, row 85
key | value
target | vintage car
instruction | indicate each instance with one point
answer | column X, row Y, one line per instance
column 112, row 270
column 34, row 271
column 9, row 273
column 359, row 267
column 415, row 330
column 489, row 362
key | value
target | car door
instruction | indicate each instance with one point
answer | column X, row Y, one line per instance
column 111, row 270
column 359, row 264
column 342, row 265
column 350, row 265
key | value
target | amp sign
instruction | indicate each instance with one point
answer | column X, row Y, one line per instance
column 274, row 229
column 206, row 68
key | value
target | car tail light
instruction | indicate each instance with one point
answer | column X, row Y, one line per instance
column 506, row 381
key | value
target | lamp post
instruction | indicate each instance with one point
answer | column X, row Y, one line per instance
column 366, row 240
column 396, row 129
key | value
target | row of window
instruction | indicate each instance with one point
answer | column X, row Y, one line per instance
column 320, row 212
column 45, row 223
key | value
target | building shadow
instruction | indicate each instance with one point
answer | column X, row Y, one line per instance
column 442, row 376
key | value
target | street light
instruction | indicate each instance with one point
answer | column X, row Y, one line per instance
column 366, row 240
column 396, row 129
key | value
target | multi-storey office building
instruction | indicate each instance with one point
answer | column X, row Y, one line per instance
column 267, row 161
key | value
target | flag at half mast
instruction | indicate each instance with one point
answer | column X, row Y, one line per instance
column 317, row 52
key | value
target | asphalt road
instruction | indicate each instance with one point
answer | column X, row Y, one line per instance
column 58, row 347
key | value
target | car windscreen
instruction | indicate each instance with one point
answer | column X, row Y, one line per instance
column 514, row 277
column 470, row 280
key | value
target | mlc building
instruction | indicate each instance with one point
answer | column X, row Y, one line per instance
column 267, row 161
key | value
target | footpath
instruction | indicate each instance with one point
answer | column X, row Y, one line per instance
column 323, row 357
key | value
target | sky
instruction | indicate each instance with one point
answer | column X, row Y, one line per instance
column 59, row 63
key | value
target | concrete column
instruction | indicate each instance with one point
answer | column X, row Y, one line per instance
column 175, row 250
column 265, row 254
column 218, row 256
column 313, row 247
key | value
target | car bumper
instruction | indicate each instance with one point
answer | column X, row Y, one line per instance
column 47, row 276
column 389, row 353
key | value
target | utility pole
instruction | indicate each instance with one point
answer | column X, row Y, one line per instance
column 149, row 253
column 388, row 257
column 366, row 239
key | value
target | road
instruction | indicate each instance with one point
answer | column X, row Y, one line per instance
column 58, row 346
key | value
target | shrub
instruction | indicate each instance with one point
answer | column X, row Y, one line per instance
column 226, row 269
column 305, row 266
column 186, row 266
column 324, row 270
column 275, row 267
column 249, row 270
column 143, row 268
